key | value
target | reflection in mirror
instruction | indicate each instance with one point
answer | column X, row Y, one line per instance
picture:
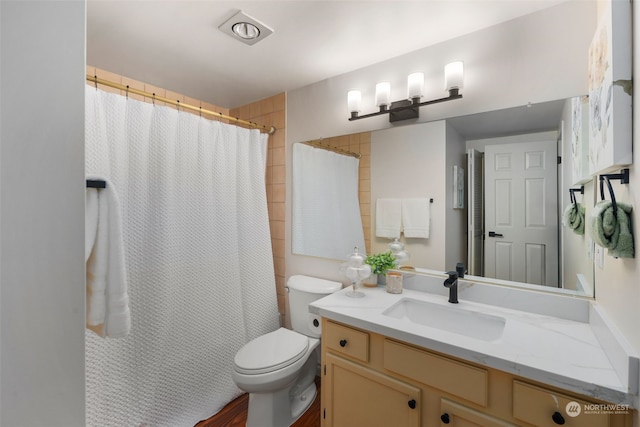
column 418, row 161
column 325, row 183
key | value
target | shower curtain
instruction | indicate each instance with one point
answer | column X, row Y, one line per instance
column 326, row 219
column 198, row 260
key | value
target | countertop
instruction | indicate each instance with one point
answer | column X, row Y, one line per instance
column 552, row 350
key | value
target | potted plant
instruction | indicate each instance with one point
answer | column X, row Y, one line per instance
column 379, row 263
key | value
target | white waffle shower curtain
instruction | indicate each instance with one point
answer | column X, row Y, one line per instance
column 198, row 257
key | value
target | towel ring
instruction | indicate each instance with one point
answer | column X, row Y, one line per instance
column 611, row 193
column 623, row 176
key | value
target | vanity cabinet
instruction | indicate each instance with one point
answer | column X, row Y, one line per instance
column 371, row 380
column 361, row 397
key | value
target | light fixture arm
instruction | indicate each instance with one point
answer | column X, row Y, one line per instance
column 406, row 105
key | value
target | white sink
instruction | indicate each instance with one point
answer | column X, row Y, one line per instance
column 452, row 319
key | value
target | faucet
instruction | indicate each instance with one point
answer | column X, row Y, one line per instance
column 452, row 284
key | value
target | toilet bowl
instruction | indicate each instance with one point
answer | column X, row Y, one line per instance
column 278, row 369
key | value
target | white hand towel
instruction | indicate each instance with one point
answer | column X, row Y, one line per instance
column 416, row 217
column 107, row 299
column 91, row 220
column 388, row 218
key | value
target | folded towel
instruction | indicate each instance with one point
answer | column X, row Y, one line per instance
column 416, row 217
column 574, row 217
column 612, row 232
column 388, row 218
column 107, row 300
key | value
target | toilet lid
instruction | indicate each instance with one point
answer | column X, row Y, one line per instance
column 271, row 352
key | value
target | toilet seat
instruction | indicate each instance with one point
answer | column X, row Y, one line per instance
column 271, row 352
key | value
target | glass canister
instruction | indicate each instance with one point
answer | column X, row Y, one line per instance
column 394, row 282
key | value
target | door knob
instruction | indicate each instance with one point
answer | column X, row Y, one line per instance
column 494, row 234
column 412, row 404
column 445, row 418
column 343, row 343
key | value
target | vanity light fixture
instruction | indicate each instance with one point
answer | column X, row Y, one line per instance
column 407, row 108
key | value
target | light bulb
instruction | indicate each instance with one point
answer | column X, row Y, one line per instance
column 415, row 85
column 354, row 98
column 383, row 94
column 453, row 75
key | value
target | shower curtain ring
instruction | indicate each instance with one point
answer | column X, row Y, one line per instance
column 153, row 99
column 95, row 80
column 127, row 93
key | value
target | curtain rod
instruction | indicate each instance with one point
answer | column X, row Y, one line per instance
column 97, row 81
column 318, row 144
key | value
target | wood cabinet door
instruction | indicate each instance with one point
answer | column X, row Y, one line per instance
column 359, row 397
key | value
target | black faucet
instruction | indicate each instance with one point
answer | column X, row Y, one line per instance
column 452, row 284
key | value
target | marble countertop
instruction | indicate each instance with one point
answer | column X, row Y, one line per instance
column 560, row 352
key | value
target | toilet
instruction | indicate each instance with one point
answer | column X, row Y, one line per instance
column 278, row 369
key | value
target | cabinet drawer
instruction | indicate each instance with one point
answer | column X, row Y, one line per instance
column 457, row 378
column 537, row 406
column 348, row 341
column 457, row 415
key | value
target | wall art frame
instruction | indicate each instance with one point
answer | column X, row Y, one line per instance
column 610, row 89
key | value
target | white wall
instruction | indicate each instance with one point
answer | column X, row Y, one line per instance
column 42, row 213
column 404, row 162
column 537, row 58
column 618, row 284
column 456, row 219
column 577, row 250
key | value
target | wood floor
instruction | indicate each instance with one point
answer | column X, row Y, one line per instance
column 235, row 414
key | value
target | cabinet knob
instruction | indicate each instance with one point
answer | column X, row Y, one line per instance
column 343, row 343
column 445, row 418
column 412, row 404
column 557, row 418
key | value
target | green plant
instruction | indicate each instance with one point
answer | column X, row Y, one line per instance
column 380, row 263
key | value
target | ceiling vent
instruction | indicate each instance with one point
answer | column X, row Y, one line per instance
column 246, row 29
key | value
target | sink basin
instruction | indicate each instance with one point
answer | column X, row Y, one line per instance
column 456, row 320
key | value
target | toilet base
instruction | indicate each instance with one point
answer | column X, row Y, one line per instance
column 262, row 407
column 301, row 403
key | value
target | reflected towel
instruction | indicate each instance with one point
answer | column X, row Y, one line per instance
column 107, row 299
column 388, row 218
column 416, row 217
column 574, row 217
column 612, row 232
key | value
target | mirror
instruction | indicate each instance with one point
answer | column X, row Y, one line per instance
column 404, row 160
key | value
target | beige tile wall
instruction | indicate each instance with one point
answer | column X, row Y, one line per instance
column 267, row 112
column 271, row 112
column 359, row 143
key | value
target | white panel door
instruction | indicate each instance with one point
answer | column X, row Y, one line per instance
column 521, row 220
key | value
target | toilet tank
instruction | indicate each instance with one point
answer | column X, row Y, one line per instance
column 303, row 290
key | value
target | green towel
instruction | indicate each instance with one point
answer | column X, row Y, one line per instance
column 613, row 233
column 574, row 217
